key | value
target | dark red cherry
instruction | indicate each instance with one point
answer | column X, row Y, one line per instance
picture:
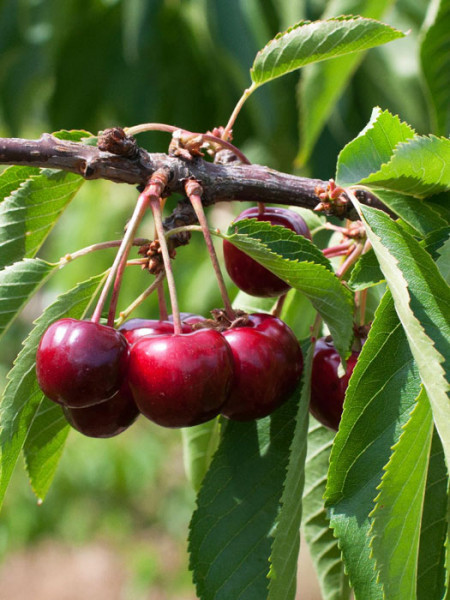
column 247, row 274
column 133, row 329
column 189, row 318
column 106, row 419
column 81, row 363
column 181, row 380
column 327, row 388
column 278, row 330
column 267, row 370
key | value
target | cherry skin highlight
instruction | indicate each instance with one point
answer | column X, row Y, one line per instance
column 133, row 329
column 81, row 363
column 246, row 273
column 267, row 368
column 106, row 419
column 181, row 380
column 327, row 388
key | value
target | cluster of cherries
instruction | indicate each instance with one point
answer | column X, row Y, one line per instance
column 105, row 377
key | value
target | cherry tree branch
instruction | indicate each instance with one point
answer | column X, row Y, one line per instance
column 122, row 161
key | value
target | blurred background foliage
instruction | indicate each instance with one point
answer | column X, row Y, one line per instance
column 91, row 65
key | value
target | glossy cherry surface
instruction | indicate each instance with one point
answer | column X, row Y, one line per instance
column 81, row 363
column 327, row 388
column 246, row 273
column 106, row 419
column 181, row 380
column 268, row 365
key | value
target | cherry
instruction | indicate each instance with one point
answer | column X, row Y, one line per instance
column 181, row 380
column 246, row 273
column 133, row 329
column 327, row 388
column 81, row 363
column 268, row 364
column 106, row 419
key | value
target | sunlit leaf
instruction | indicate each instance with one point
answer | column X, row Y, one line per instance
column 18, row 282
column 380, row 396
column 309, row 42
column 22, row 398
column 398, row 512
column 301, row 264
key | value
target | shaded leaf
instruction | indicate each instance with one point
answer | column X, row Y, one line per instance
column 434, row 527
column 379, row 399
column 231, row 529
column 372, row 148
column 417, row 213
column 309, row 42
column 286, row 543
column 398, row 512
column 322, row 83
column 366, row 272
column 435, row 62
column 290, row 257
column 22, row 397
column 18, row 282
column 30, row 212
column 44, row 446
column 322, row 544
column 199, row 445
column 422, row 301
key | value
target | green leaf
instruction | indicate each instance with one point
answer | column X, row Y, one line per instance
column 309, row 42
column 322, row 544
column 419, row 167
column 416, row 213
column 322, row 83
column 379, row 399
column 435, row 62
column 13, row 177
column 199, row 445
column 301, row 264
column 231, row 530
column 398, row 512
column 372, row 148
column 44, row 446
column 30, row 212
column 286, row 543
column 22, row 397
column 422, row 301
column 18, row 282
column 431, row 576
column 366, row 272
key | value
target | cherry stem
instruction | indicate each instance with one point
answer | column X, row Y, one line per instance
column 194, row 191
column 315, row 328
column 100, row 246
column 140, row 299
column 349, row 261
column 362, row 306
column 155, row 205
column 337, row 250
column 163, row 314
column 279, row 306
column 124, row 249
column 237, row 109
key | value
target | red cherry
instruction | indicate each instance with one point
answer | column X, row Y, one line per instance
column 181, row 380
column 327, row 388
column 137, row 328
column 106, row 419
column 268, row 364
column 81, row 363
column 189, row 318
column 247, row 274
